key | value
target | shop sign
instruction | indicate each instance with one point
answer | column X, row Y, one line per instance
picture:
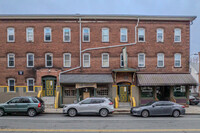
column 84, row 85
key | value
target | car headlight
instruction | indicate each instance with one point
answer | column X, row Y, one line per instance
column 136, row 109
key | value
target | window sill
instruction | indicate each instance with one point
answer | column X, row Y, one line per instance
column 66, row 67
column 47, row 41
column 123, row 41
column 141, row 67
column 141, row 41
column 105, row 42
column 85, row 41
column 66, row 41
column 160, row 67
column 10, row 42
column 177, row 67
column 86, row 67
column 29, row 41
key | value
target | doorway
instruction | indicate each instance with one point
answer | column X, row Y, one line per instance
column 123, row 92
column 86, row 93
column 163, row 93
column 49, row 86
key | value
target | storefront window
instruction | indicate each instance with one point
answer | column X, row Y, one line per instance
column 146, row 92
column 70, row 92
column 102, row 91
column 180, row 91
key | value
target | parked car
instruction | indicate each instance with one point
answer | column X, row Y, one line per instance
column 101, row 106
column 30, row 105
column 193, row 100
column 159, row 108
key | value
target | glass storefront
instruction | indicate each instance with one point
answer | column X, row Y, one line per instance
column 146, row 92
column 180, row 91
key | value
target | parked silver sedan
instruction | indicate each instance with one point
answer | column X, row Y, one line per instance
column 101, row 106
column 159, row 108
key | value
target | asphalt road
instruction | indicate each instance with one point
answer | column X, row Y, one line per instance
column 53, row 123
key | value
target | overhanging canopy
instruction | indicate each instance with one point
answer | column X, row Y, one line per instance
column 165, row 79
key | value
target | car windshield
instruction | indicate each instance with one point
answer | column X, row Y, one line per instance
column 150, row 103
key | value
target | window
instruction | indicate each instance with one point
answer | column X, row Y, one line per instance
column 14, row 100
column 11, row 60
column 123, row 35
column 105, row 60
column 29, row 34
column 105, row 35
column 30, row 84
column 70, row 92
column 24, row 100
column 121, row 60
column 146, row 92
column 11, row 84
column 160, row 60
column 67, row 60
column 11, row 35
column 160, row 35
column 86, row 60
column 177, row 35
column 66, row 35
column 141, row 60
column 30, row 60
column 35, row 100
column 141, row 35
column 180, row 91
column 86, row 34
column 49, row 60
column 177, row 60
column 47, row 34
column 102, row 91
column 86, row 101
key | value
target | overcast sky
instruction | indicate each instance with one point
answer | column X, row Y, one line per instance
column 132, row 7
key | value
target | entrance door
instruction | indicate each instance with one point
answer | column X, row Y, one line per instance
column 49, row 87
column 123, row 93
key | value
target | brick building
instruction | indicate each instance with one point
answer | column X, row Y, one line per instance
column 81, row 56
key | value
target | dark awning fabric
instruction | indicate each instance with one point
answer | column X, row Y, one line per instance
column 86, row 78
column 165, row 79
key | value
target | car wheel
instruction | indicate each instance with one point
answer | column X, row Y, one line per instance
column 103, row 112
column 32, row 112
column 145, row 113
column 176, row 113
column 1, row 112
column 72, row 112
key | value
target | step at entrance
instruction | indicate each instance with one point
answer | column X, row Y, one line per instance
column 126, row 105
column 49, row 102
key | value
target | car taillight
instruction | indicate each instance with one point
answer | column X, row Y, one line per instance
column 111, row 103
column 39, row 105
column 183, row 106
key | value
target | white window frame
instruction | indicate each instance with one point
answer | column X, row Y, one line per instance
column 45, row 34
column 121, row 34
column 107, row 29
column 160, row 60
column 175, row 31
column 9, row 84
column 103, row 59
column 8, row 55
column 88, row 34
column 10, row 28
column 28, row 84
column 162, row 31
column 139, row 34
column 84, row 59
column 177, row 60
column 28, row 60
column 65, row 60
column 66, row 28
column 27, row 37
column 46, row 60
column 139, row 62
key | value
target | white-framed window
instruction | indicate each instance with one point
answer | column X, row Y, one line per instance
column 11, row 84
column 10, row 34
column 30, row 60
column 30, row 84
column 105, row 60
column 86, row 34
column 66, row 35
column 123, row 35
column 160, row 60
column 141, row 60
column 48, row 60
column 47, row 34
column 160, row 35
column 177, row 35
column 67, row 60
column 11, row 60
column 177, row 60
column 141, row 35
column 29, row 34
column 122, row 60
column 86, row 60
column 105, row 34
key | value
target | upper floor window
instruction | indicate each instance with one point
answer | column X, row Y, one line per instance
column 47, row 34
column 48, row 60
column 160, row 35
column 30, row 60
column 11, row 60
column 105, row 35
column 122, row 60
column 86, row 60
column 11, row 34
column 123, row 35
column 160, row 60
column 105, row 60
column 30, row 84
column 67, row 60
column 66, row 35
column 177, row 35
column 177, row 60
column 29, row 34
column 141, row 35
column 86, row 34
column 141, row 60
column 11, row 84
